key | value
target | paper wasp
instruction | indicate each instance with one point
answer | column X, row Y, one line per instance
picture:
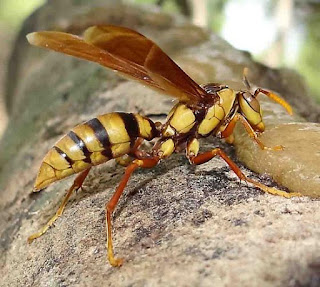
column 212, row 109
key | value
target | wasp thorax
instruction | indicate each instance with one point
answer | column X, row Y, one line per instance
column 180, row 120
column 251, row 109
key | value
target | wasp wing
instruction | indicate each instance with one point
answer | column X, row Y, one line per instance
column 130, row 45
column 75, row 46
column 128, row 52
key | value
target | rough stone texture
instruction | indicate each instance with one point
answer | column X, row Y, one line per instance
column 176, row 225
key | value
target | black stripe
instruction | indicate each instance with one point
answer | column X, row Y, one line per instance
column 63, row 154
column 154, row 131
column 101, row 135
column 200, row 114
column 131, row 124
column 82, row 146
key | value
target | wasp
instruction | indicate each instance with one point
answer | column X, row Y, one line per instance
column 201, row 111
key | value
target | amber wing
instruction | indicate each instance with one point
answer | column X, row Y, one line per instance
column 127, row 52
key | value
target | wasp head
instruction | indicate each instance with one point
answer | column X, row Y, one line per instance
column 251, row 110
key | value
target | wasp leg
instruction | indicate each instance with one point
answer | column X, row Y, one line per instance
column 135, row 153
column 204, row 157
column 75, row 186
column 230, row 139
column 111, row 205
column 229, row 129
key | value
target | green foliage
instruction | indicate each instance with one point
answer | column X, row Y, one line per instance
column 216, row 14
column 215, row 10
column 144, row 1
column 12, row 13
column 169, row 5
column 309, row 60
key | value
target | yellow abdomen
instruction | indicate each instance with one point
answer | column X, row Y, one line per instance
column 91, row 143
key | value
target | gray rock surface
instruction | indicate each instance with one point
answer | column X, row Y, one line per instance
column 176, row 225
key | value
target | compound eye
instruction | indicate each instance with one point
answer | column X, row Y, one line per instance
column 252, row 102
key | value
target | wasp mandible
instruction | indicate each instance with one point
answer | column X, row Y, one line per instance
column 202, row 111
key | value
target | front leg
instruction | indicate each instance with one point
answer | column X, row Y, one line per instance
column 195, row 158
column 230, row 127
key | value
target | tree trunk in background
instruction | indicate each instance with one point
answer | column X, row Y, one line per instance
column 283, row 16
column 200, row 12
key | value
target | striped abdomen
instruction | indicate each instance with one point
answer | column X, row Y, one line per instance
column 92, row 143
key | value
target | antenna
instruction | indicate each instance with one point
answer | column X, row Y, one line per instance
column 245, row 79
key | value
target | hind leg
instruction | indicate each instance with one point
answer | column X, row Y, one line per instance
column 111, row 205
column 75, row 186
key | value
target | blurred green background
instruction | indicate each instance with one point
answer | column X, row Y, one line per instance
column 12, row 12
column 279, row 33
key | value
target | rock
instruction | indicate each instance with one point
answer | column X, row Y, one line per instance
column 176, row 224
